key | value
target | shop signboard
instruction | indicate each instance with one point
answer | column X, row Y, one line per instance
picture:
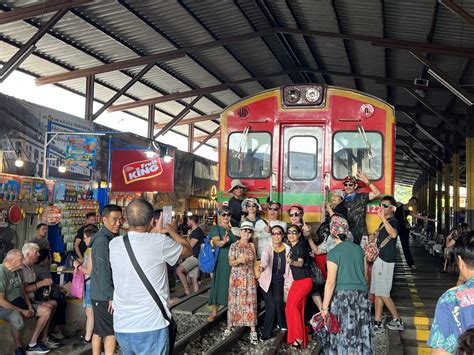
column 133, row 171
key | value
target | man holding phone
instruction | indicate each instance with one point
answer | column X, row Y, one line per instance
column 384, row 265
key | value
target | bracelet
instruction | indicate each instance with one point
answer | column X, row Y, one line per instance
column 324, row 309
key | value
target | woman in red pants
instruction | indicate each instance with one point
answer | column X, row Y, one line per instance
column 298, row 260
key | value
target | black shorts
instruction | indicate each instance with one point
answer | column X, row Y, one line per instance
column 103, row 320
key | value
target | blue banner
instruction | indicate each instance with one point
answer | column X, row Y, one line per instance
column 80, row 151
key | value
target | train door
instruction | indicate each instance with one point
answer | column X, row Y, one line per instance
column 302, row 167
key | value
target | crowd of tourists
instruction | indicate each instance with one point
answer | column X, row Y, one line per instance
column 340, row 269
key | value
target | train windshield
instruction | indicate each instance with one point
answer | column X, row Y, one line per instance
column 354, row 151
column 249, row 155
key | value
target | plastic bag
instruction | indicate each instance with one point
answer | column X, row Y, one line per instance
column 77, row 286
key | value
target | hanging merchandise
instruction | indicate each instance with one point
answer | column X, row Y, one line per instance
column 51, row 215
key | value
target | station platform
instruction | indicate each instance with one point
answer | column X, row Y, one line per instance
column 415, row 294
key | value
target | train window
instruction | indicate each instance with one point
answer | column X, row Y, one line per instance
column 353, row 151
column 302, row 158
column 249, row 155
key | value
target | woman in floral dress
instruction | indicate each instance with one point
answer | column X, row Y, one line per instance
column 242, row 304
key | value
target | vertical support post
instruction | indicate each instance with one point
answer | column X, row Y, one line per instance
column 447, row 195
column 89, row 112
column 432, row 198
column 109, row 168
column 190, row 137
column 456, row 179
column 151, row 121
column 439, row 198
column 470, row 166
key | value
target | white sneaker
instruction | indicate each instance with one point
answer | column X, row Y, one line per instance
column 227, row 333
column 253, row 338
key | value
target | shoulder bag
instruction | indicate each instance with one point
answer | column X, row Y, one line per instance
column 372, row 251
column 172, row 327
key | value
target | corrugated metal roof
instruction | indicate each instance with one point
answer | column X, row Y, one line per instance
column 110, row 31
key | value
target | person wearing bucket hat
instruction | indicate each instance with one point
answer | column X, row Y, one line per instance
column 237, row 189
column 250, row 210
column 356, row 204
column 222, row 236
column 242, row 306
column 337, row 204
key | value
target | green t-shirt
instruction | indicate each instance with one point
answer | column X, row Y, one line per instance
column 10, row 283
column 349, row 259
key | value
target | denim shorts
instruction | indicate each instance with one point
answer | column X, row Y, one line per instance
column 13, row 317
column 155, row 342
column 87, row 296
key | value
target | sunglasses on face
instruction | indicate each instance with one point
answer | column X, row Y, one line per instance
column 251, row 205
column 225, row 214
column 247, row 230
column 349, row 184
column 238, row 188
column 385, row 205
column 293, row 231
column 276, row 233
column 295, row 214
column 273, row 208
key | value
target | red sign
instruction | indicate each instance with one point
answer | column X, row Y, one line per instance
column 133, row 171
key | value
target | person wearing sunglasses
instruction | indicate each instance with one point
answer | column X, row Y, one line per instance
column 298, row 260
column 384, row 265
column 250, row 210
column 274, row 276
column 356, row 204
column 242, row 306
column 262, row 234
column 222, row 237
column 237, row 190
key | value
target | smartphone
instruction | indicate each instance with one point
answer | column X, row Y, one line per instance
column 167, row 215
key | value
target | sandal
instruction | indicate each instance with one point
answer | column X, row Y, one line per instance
column 227, row 333
column 297, row 345
column 211, row 318
column 253, row 338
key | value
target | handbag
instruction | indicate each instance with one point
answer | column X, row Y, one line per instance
column 372, row 251
column 316, row 274
column 77, row 286
column 323, row 327
column 172, row 327
column 208, row 255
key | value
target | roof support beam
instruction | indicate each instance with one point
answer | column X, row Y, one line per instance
column 425, row 131
column 431, row 165
column 444, row 79
column 196, row 119
column 177, row 53
column 386, row 42
column 190, row 137
column 457, row 10
column 204, row 141
column 89, row 111
column 160, row 57
column 412, row 155
column 178, row 117
column 29, row 46
column 22, row 13
column 151, row 122
column 123, row 90
column 224, row 86
column 421, row 143
column 437, row 113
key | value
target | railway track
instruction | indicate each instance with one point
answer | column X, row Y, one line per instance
column 196, row 335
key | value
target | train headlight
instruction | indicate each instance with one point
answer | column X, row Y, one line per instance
column 312, row 94
column 292, row 95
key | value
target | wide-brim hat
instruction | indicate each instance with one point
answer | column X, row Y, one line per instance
column 247, row 225
column 234, row 183
column 354, row 180
column 251, row 200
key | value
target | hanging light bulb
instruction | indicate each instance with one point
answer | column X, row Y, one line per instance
column 62, row 169
column 19, row 163
column 150, row 154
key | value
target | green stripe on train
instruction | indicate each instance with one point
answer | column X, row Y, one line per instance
column 305, row 198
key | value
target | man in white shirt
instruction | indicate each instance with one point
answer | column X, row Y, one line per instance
column 139, row 325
